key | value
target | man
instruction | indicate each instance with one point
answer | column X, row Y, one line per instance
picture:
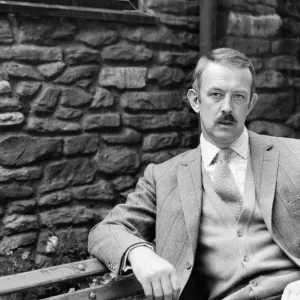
column 225, row 217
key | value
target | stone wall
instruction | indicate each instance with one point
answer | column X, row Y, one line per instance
column 268, row 32
column 84, row 107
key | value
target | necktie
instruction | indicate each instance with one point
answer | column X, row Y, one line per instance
column 225, row 185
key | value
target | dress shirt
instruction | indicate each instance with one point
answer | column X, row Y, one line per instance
column 237, row 160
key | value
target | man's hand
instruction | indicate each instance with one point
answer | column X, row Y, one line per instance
column 156, row 275
column 292, row 291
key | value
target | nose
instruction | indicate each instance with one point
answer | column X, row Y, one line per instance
column 226, row 105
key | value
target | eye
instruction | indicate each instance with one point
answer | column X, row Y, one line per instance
column 216, row 96
column 238, row 97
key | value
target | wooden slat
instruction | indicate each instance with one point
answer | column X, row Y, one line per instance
column 114, row 290
column 27, row 280
column 36, row 9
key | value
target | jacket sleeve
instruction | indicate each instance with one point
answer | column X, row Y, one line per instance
column 126, row 225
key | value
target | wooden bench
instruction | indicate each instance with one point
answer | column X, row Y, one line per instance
column 116, row 289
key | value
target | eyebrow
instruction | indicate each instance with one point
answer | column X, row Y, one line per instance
column 235, row 91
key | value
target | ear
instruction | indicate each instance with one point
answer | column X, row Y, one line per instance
column 252, row 103
column 194, row 100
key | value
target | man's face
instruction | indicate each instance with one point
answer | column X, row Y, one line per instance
column 224, row 102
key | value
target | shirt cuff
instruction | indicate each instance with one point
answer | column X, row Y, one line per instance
column 125, row 265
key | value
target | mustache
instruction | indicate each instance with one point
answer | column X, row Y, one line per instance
column 226, row 117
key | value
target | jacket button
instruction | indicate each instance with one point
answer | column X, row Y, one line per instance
column 188, row 265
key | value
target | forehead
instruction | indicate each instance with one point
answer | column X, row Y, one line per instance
column 225, row 77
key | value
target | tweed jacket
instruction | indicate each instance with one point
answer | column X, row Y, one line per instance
column 166, row 207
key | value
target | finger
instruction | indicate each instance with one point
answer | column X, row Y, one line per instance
column 175, row 285
column 147, row 290
column 167, row 288
column 157, row 289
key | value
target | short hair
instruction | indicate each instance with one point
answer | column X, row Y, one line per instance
column 223, row 56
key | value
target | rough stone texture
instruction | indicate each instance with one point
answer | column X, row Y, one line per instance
column 67, row 173
column 157, row 141
column 157, row 157
column 100, row 191
column 51, row 69
column 294, row 121
column 248, row 46
column 270, row 79
column 126, row 136
column 102, row 98
column 283, row 62
column 257, row 63
column 81, row 144
column 122, row 183
column 94, row 34
column 180, row 21
column 189, row 139
column 71, row 74
column 117, row 159
column 75, row 97
column 127, row 52
column 19, row 223
column 29, row 173
column 287, row 46
column 51, row 125
column 67, row 113
column 179, row 58
column 13, row 69
column 4, row 87
column 21, row 207
column 270, row 128
column 9, row 104
column 27, row 88
column 102, row 121
column 165, row 75
column 47, row 99
column 21, row 150
column 258, row 26
column 292, row 26
column 9, row 243
column 11, row 119
column 15, row 190
column 66, row 215
column 6, row 34
column 75, row 55
column 183, row 120
column 273, row 107
column 54, row 199
column 30, row 53
column 123, row 77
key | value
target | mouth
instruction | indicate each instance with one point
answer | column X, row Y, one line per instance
column 226, row 123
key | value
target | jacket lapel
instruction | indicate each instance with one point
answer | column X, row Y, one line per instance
column 190, row 187
column 264, row 158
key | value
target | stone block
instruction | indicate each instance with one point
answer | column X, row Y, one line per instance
column 269, row 128
column 165, row 75
column 30, row 53
column 21, row 207
column 102, row 98
column 66, row 215
column 292, row 25
column 51, row 69
column 101, row 191
column 75, row 55
column 4, row 87
column 75, row 97
column 81, row 144
column 257, row 63
column 6, row 34
column 102, row 121
column 9, row 243
column 126, row 51
column 69, row 172
column 27, row 88
column 47, row 99
column 35, row 124
column 180, row 58
column 294, row 121
column 190, row 22
column 9, row 104
column 13, row 69
column 183, row 119
column 95, row 35
column 248, row 46
column 123, row 77
column 157, row 141
column 283, row 62
column 72, row 74
column 20, row 150
column 190, row 139
column 122, row 183
column 29, row 173
column 19, row 223
column 117, row 159
column 285, row 46
column 11, row 119
column 145, row 121
column 257, row 26
column 126, row 136
column 187, row 38
column 156, row 157
column 54, row 199
column 270, row 79
column 151, row 100
column 15, row 191
column 277, row 106
column 68, row 113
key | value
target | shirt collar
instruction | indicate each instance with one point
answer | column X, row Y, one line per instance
column 209, row 151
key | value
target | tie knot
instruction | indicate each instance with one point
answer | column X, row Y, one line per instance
column 223, row 154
